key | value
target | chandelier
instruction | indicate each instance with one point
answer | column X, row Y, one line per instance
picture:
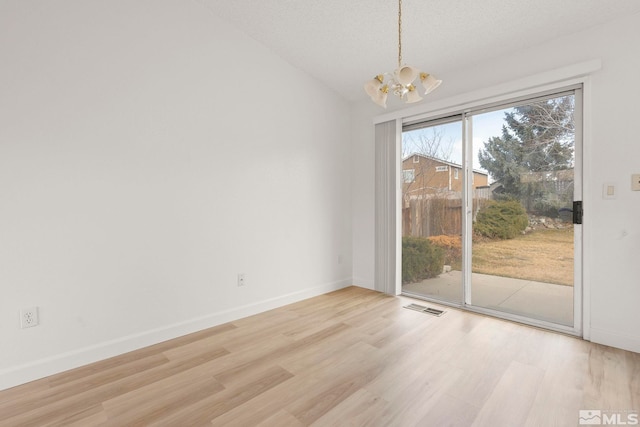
column 401, row 81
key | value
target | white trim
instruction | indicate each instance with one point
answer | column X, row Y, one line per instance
column 467, row 206
column 586, row 191
column 398, row 194
column 525, row 320
column 62, row 362
column 559, row 77
column 615, row 339
column 578, row 230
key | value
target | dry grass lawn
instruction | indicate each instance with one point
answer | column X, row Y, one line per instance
column 543, row 256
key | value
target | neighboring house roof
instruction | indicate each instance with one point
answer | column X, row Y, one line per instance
column 444, row 162
column 496, row 187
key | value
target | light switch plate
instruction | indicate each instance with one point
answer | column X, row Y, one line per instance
column 635, row 182
column 609, row 190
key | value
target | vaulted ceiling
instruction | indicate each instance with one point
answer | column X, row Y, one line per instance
column 345, row 42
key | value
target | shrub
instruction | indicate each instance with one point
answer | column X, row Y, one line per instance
column 501, row 220
column 452, row 248
column 420, row 259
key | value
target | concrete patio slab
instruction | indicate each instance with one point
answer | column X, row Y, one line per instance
column 543, row 301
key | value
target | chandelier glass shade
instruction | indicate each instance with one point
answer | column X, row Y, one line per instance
column 402, row 82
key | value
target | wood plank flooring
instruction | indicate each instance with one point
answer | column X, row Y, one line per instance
column 352, row 357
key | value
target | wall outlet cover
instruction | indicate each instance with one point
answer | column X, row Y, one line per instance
column 29, row 317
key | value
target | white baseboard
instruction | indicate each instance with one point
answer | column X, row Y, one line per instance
column 363, row 283
column 63, row 362
column 615, row 339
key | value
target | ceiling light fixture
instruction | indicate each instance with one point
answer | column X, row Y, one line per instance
column 401, row 81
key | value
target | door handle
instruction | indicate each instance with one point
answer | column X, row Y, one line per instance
column 577, row 211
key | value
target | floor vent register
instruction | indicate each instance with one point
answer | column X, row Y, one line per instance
column 423, row 309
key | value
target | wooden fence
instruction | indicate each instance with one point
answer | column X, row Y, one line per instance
column 435, row 216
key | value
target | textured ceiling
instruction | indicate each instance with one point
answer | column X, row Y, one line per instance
column 345, row 42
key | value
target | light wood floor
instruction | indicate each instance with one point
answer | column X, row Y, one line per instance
column 352, row 357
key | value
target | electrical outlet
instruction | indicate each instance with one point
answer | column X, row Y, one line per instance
column 29, row 317
column 240, row 279
column 635, row 182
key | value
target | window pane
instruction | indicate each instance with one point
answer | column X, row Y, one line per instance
column 523, row 254
column 432, row 212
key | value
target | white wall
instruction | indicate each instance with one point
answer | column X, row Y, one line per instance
column 612, row 228
column 148, row 154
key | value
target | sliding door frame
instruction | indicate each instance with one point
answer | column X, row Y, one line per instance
column 581, row 291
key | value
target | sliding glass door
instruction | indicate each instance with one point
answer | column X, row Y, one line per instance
column 432, row 192
column 488, row 209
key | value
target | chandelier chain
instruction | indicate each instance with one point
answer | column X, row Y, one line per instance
column 402, row 81
column 399, row 33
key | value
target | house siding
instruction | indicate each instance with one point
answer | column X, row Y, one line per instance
column 432, row 176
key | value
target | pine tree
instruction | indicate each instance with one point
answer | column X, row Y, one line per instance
column 536, row 138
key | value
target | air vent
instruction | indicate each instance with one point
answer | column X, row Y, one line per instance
column 423, row 309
